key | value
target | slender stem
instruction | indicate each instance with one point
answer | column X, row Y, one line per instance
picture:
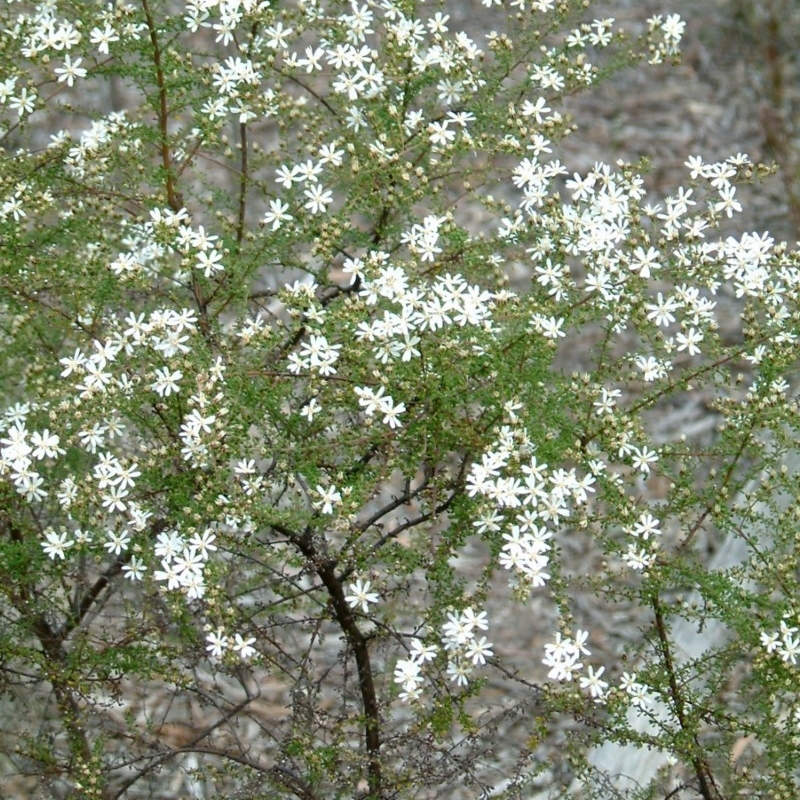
column 243, row 182
column 726, row 478
column 325, row 568
column 773, row 120
column 705, row 779
column 174, row 198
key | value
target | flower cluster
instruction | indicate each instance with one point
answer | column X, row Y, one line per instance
column 219, row 643
column 408, row 313
column 638, row 694
column 638, row 555
column 183, row 561
column 315, row 354
column 20, row 449
column 102, row 375
column 534, row 497
column 460, row 645
column 564, row 655
column 448, row 300
column 785, row 642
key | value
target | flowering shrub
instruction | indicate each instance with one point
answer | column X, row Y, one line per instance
column 294, row 485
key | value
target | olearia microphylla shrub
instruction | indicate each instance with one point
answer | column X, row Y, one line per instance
column 299, row 497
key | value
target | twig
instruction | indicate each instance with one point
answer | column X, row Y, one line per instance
column 705, row 779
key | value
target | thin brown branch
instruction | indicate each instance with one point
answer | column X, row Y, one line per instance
column 772, row 117
column 705, row 779
column 243, row 184
column 174, row 198
column 325, row 569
